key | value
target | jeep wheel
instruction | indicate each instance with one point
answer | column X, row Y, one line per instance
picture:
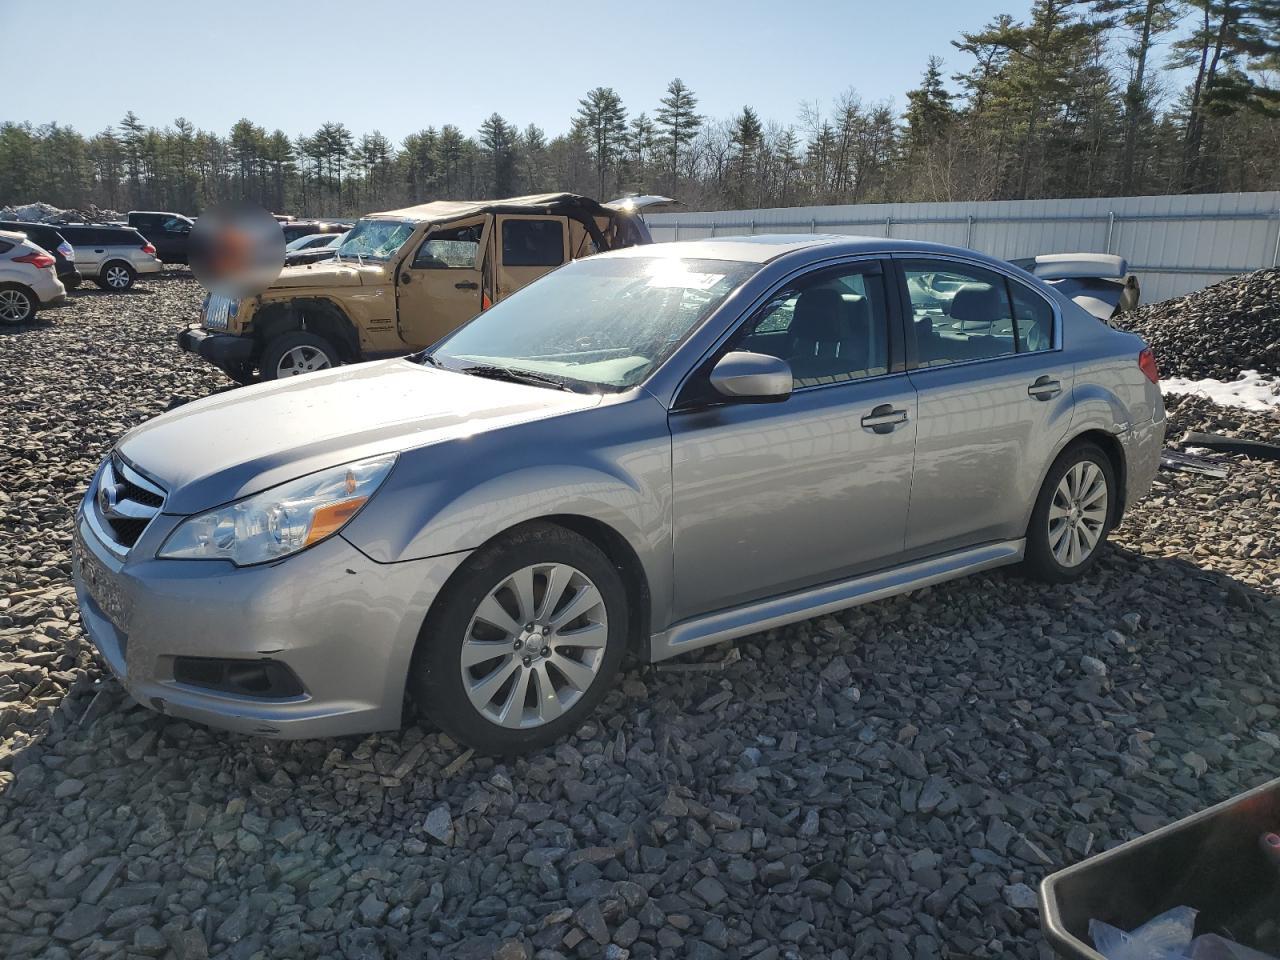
column 117, row 276
column 297, row 352
column 17, row 304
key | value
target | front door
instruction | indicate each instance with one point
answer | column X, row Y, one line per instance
column 439, row 284
column 995, row 400
column 528, row 247
column 770, row 498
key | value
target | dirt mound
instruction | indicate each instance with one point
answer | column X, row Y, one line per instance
column 1215, row 332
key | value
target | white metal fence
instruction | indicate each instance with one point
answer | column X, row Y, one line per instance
column 1175, row 244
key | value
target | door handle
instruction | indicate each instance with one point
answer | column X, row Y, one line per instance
column 1045, row 388
column 884, row 419
column 99, row 251
column 470, row 285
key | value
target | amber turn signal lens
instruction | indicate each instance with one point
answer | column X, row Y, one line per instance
column 330, row 519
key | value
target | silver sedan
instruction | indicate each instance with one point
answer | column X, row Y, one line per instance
column 649, row 450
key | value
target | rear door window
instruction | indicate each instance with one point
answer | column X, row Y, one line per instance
column 959, row 312
column 532, row 243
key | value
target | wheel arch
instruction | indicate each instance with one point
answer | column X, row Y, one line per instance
column 608, row 541
column 318, row 315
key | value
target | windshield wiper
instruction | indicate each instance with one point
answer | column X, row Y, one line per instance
column 495, row 372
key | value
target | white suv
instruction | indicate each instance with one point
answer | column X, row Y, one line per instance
column 27, row 279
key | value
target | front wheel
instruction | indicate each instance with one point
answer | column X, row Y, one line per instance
column 294, row 353
column 1072, row 516
column 524, row 644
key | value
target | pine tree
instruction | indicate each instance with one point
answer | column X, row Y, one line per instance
column 603, row 120
column 498, row 140
column 678, row 123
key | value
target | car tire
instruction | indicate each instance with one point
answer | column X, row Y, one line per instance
column 537, row 687
column 1073, row 515
column 17, row 304
column 117, row 276
column 296, row 352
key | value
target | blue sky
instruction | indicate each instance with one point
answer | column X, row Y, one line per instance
column 401, row 66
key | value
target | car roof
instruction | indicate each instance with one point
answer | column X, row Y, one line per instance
column 547, row 204
column 763, row 248
column 21, row 226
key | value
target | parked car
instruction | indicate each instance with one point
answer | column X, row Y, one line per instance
column 168, row 232
column 294, row 229
column 48, row 237
column 312, row 248
column 1099, row 282
column 650, row 450
column 112, row 257
column 27, row 279
column 401, row 280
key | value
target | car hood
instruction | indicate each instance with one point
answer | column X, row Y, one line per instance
column 236, row 443
column 327, row 274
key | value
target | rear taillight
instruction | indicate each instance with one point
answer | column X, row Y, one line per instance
column 1147, row 362
column 149, row 247
column 67, row 251
column 39, row 260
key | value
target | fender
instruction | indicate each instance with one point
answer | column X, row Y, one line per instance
column 610, row 463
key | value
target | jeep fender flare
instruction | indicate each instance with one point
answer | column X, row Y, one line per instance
column 318, row 315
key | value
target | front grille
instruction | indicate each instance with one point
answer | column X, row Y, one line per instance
column 121, row 504
column 216, row 310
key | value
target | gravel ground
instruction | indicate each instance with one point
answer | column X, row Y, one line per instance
column 893, row 781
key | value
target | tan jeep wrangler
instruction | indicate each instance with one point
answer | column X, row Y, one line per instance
column 403, row 279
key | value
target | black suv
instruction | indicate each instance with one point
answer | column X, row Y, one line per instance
column 46, row 235
column 169, row 232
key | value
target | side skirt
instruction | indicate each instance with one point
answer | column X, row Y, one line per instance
column 814, row 602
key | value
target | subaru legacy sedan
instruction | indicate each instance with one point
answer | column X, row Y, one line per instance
column 646, row 451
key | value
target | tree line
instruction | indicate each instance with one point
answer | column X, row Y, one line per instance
column 1078, row 98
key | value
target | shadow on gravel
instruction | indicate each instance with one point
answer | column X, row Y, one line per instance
column 897, row 777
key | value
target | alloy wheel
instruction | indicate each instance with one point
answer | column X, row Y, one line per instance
column 1078, row 513
column 117, row 278
column 534, row 645
column 302, row 360
column 14, row 305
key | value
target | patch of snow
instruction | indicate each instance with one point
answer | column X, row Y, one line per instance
column 1251, row 391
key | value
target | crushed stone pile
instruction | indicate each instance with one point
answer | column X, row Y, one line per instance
column 48, row 213
column 1216, row 332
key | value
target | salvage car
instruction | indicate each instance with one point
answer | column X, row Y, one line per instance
column 169, row 233
column 312, row 248
column 111, row 256
column 401, row 280
column 46, row 236
column 646, row 451
column 1099, row 282
column 27, row 279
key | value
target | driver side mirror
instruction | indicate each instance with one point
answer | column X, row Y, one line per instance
column 752, row 377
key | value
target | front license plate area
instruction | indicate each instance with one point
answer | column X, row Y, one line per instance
column 101, row 585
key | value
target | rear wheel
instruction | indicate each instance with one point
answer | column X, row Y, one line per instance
column 295, row 353
column 117, row 276
column 17, row 304
column 1072, row 516
column 524, row 644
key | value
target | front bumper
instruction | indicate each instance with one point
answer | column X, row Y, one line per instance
column 225, row 351
column 346, row 626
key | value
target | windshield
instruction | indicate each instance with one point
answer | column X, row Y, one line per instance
column 375, row 239
column 596, row 323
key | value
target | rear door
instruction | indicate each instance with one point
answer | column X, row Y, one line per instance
column 439, row 283
column 528, row 247
column 994, row 390
column 90, row 252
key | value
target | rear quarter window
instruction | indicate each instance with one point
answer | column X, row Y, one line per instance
column 5, row 246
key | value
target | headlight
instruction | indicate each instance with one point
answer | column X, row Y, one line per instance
column 281, row 521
